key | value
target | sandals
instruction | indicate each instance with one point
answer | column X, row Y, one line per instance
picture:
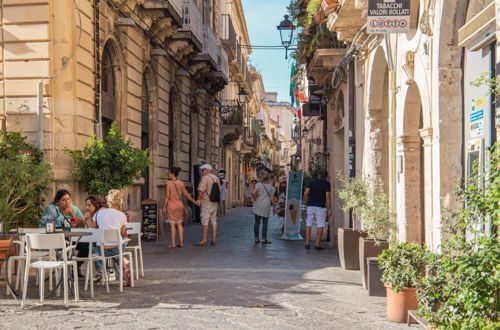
column 213, row 243
column 266, row 242
column 257, row 241
column 201, row 244
column 170, row 246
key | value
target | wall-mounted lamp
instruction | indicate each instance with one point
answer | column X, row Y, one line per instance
column 242, row 95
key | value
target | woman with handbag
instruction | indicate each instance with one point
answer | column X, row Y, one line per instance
column 263, row 195
column 174, row 208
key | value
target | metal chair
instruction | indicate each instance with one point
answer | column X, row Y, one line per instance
column 134, row 228
column 114, row 237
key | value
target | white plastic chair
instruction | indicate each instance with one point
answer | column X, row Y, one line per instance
column 21, row 258
column 134, row 228
column 96, row 237
column 49, row 242
column 114, row 235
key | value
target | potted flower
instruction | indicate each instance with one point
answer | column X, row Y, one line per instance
column 403, row 269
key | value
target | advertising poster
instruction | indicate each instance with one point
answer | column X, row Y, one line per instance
column 293, row 206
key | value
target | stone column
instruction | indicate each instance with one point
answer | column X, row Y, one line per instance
column 426, row 134
column 408, row 186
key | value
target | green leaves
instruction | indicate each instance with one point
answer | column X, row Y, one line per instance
column 111, row 163
column 25, row 177
column 366, row 197
column 404, row 265
column 462, row 289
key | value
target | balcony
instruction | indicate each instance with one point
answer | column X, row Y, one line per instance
column 192, row 24
column 174, row 7
column 248, row 78
column 347, row 20
column 228, row 36
column 224, row 64
column 250, row 142
column 232, row 121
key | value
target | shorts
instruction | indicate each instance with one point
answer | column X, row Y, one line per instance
column 209, row 214
column 316, row 215
column 174, row 222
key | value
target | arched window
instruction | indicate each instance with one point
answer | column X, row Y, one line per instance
column 145, row 127
column 109, row 75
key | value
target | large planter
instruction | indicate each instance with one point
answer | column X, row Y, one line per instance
column 399, row 303
column 4, row 248
column 367, row 249
column 349, row 248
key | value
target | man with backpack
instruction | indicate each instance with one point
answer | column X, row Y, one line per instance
column 209, row 195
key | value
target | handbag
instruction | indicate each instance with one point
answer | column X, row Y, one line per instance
column 186, row 213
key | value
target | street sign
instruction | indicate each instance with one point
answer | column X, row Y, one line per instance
column 388, row 16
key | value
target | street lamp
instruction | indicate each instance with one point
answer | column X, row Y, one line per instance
column 242, row 95
column 286, row 29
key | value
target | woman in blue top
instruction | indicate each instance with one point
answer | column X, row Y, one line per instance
column 62, row 212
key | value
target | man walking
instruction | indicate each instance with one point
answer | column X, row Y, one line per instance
column 209, row 195
column 317, row 197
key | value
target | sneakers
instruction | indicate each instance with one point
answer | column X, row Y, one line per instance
column 319, row 248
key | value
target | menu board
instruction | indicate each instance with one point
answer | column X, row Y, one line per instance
column 149, row 220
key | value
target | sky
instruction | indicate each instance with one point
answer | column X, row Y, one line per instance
column 263, row 16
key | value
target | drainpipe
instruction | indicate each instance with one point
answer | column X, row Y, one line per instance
column 97, row 75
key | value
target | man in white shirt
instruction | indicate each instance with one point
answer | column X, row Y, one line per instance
column 208, row 208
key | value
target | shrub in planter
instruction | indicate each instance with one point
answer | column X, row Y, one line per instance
column 25, row 177
column 462, row 289
column 110, row 163
column 403, row 268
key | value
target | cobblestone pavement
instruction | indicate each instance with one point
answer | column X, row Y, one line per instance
column 235, row 284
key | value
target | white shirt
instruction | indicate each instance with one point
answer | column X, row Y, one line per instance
column 110, row 219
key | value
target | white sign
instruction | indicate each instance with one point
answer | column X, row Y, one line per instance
column 388, row 16
column 293, row 206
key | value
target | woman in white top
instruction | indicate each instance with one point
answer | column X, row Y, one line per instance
column 223, row 191
column 112, row 218
column 263, row 196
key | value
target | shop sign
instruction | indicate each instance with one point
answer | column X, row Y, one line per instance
column 293, row 206
column 476, row 118
column 388, row 16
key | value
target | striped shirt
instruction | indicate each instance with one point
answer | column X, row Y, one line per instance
column 262, row 205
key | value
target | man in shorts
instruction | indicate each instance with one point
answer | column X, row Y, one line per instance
column 208, row 208
column 317, row 197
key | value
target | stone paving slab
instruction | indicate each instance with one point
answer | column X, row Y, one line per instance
column 234, row 285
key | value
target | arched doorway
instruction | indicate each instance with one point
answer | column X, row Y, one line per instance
column 411, row 170
column 110, row 83
column 376, row 146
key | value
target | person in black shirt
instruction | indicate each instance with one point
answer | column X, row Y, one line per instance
column 317, row 197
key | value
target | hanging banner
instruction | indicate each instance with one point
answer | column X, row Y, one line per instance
column 388, row 16
column 293, row 206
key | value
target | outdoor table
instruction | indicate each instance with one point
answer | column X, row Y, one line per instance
column 67, row 234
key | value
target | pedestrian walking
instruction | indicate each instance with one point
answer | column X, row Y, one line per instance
column 248, row 195
column 174, row 208
column 224, row 185
column 263, row 196
column 209, row 195
column 317, row 197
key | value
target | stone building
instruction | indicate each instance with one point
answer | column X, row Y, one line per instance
column 401, row 107
column 154, row 67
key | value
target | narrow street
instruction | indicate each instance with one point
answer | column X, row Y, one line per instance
column 235, row 284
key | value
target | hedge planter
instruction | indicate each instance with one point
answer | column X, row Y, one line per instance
column 367, row 248
column 399, row 303
column 349, row 248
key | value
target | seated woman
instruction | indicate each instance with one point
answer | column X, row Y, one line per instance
column 111, row 218
column 62, row 212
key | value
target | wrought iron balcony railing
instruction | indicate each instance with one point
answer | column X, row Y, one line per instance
column 228, row 36
column 223, row 63
column 210, row 46
column 231, row 113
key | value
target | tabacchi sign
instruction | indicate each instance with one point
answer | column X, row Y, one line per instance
column 388, row 16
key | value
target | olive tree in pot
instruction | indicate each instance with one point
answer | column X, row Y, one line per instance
column 403, row 269
column 353, row 194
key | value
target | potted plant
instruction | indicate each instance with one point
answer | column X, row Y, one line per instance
column 110, row 163
column 353, row 193
column 462, row 287
column 25, row 177
column 403, row 267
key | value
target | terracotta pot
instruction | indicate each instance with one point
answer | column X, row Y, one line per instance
column 349, row 248
column 398, row 304
column 4, row 246
column 367, row 248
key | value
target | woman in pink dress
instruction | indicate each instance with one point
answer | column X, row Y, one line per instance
column 173, row 207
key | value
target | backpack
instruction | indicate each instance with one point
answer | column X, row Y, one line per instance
column 214, row 195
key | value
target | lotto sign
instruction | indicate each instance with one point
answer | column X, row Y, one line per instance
column 388, row 16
